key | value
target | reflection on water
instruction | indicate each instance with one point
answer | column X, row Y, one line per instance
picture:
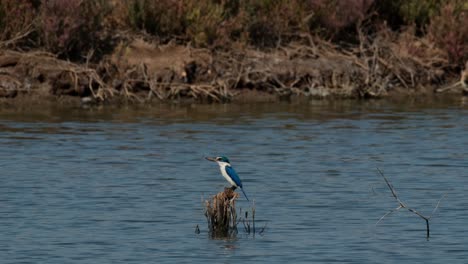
column 106, row 185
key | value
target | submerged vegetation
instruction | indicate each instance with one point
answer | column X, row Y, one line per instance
column 214, row 49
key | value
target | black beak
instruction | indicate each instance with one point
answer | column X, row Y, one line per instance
column 210, row 158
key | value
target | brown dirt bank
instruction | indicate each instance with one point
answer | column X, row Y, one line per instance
column 140, row 71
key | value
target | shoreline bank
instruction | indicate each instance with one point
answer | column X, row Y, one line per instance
column 139, row 71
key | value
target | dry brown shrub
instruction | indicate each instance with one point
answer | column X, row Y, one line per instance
column 275, row 23
column 161, row 18
column 449, row 31
column 117, row 18
column 72, row 28
column 333, row 16
column 16, row 18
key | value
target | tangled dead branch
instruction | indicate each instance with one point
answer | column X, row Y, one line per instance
column 20, row 35
column 322, row 69
column 462, row 84
column 63, row 77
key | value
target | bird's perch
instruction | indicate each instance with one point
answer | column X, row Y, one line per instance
column 220, row 212
column 222, row 217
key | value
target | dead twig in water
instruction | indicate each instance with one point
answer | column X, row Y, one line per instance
column 403, row 205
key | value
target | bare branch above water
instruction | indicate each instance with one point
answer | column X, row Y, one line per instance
column 403, row 205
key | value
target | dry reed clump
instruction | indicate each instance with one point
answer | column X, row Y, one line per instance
column 222, row 217
column 221, row 214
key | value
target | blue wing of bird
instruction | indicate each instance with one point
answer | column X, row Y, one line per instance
column 233, row 174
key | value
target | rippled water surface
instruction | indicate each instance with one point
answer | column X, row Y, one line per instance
column 105, row 185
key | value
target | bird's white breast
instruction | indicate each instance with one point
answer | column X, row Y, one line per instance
column 222, row 167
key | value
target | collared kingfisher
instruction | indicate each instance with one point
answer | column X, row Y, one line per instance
column 228, row 172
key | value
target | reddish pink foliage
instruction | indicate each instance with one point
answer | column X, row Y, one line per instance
column 340, row 14
column 17, row 15
column 60, row 19
column 449, row 31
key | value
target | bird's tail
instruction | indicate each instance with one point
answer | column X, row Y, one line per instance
column 242, row 189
